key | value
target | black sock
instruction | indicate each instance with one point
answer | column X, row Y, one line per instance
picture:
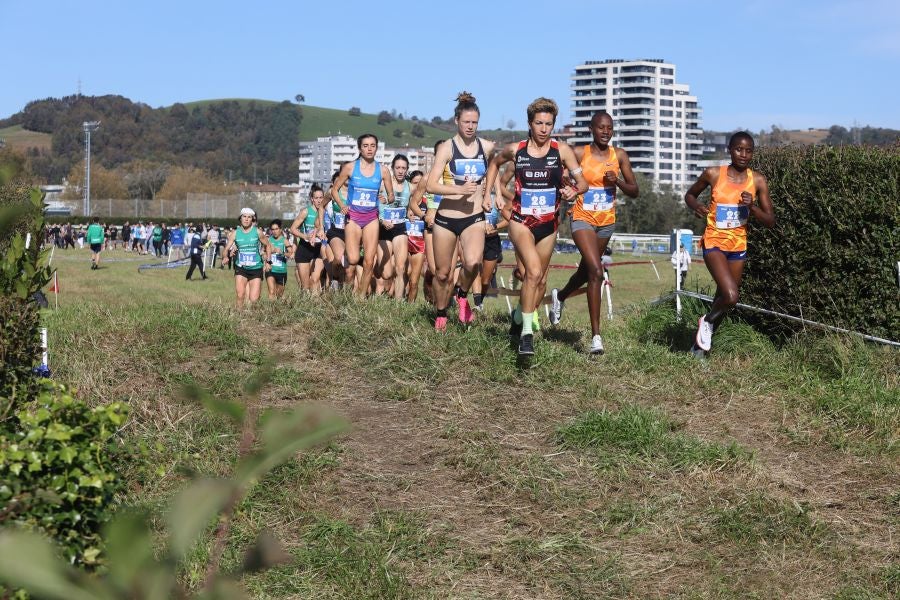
column 479, row 298
column 442, row 312
column 461, row 294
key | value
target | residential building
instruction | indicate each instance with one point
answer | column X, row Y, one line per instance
column 319, row 159
column 657, row 121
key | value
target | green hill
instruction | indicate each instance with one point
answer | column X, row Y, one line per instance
column 20, row 138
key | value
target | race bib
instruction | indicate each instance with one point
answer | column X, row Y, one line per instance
column 538, row 203
column 246, row 259
column 339, row 220
column 415, row 228
column 492, row 218
column 364, row 198
column 394, row 216
column 471, row 168
column 731, row 216
column 277, row 260
column 597, row 199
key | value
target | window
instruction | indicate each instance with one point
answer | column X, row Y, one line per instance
column 665, row 113
column 665, row 144
column 665, row 123
column 678, row 114
column 665, row 92
column 677, row 156
column 666, row 155
column 666, row 166
column 665, row 176
column 678, row 103
column 678, row 134
column 666, row 71
column 668, row 81
column 678, row 145
column 665, row 134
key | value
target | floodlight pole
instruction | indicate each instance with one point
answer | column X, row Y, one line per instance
column 88, row 127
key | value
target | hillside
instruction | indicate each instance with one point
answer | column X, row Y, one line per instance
column 19, row 138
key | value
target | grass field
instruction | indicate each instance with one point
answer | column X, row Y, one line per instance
column 21, row 139
column 769, row 470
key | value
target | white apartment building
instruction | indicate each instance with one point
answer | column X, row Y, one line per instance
column 321, row 158
column 656, row 120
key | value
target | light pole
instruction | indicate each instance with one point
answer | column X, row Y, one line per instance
column 88, row 127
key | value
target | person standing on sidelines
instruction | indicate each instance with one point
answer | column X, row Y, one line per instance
column 539, row 162
column 737, row 194
column 681, row 262
column 364, row 177
column 243, row 248
column 95, row 239
column 458, row 173
column 196, row 241
column 606, row 169
column 276, row 277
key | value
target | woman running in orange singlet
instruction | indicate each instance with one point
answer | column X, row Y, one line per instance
column 737, row 194
column 594, row 218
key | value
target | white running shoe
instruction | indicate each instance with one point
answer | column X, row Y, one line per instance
column 556, row 307
column 704, row 334
column 596, row 345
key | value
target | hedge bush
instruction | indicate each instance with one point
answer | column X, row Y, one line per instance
column 832, row 255
column 22, row 273
column 56, row 470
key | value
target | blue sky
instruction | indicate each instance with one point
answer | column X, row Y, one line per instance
column 752, row 64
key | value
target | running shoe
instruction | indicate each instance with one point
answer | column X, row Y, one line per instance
column 478, row 307
column 515, row 329
column 526, row 345
column 440, row 324
column 596, row 345
column 556, row 307
column 704, row 334
column 465, row 311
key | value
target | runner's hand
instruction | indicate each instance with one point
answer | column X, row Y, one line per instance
column 429, row 219
column 469, row 187
column 345, row 210
column 486, row 203
column 609, row 179
column 746, row 199
column 701, row 211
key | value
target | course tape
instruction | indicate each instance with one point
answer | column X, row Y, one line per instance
column 182, row 262
column 773, row 313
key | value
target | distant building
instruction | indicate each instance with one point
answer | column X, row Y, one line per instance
column 319, row 159
column 657, row 120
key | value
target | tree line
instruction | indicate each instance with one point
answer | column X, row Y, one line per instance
column 228, row 140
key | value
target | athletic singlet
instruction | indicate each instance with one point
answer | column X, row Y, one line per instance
column 363, row 191
column 278, row 264
column 431, row 201
column 395, row 212
column 460, row 168
column 94, row 234
column 309, row 223
column 338, row 219
column 537, row 184
column 247, row 242
column 726, row 223
column 597, row 206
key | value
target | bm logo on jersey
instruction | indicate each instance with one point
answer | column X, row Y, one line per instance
column 537, row 173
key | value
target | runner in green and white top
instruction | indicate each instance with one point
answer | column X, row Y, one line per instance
column 281, row 247
column 245, row 247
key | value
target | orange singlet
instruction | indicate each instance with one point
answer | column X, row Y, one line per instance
column 597, row 206
column 726, row 223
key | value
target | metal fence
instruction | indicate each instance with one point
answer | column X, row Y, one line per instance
column 195, row 207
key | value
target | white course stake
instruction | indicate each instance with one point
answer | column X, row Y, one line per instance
column 608, row 286
column 508, row 305
column 652, row 264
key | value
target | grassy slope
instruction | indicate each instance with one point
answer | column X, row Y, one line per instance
column 21, row 139
column 764, row 472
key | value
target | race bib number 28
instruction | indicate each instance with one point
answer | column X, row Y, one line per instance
column 538, row 203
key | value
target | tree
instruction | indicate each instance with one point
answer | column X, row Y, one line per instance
column 398, row 133
column 654, row 210
column 510, row 124
column 354, row 111
column 182, row 181
column 300, row 98
column 436, row 120
column 384, row 117
column 144, row 179
column 105, row 183
column 418, row 131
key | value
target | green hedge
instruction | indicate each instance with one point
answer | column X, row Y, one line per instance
column 21, row 275
column 56, row 471
column 832, row 255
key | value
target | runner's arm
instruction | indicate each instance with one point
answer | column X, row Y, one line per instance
column 627, row 183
